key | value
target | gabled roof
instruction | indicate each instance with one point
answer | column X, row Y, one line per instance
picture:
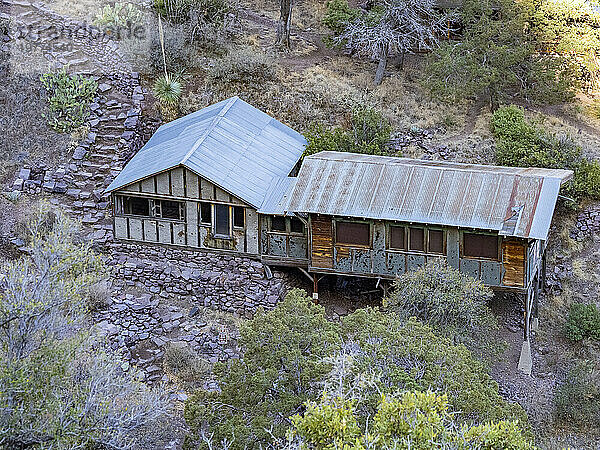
column 231, row 144
column 513, row 201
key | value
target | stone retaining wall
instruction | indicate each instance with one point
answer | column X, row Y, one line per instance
column 227, row 282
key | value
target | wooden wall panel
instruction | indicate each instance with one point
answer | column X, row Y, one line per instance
column 322, row 242
column 513, row 258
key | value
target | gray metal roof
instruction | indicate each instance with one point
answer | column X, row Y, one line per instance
column 231, row 144
column 514, row 201
column 278, row 197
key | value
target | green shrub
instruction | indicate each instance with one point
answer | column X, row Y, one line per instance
column 583, row 322
column 523, row 144
column 243, row 66
column 168, row 89
column 184, row 363
column 292, row 356
column 369, row 132
column 408, row 355
column 415, row 420
column 68, row 99
column 339, row 14
column 283, row 360
column 577, row 399
column 451, row 302
column 98, row 296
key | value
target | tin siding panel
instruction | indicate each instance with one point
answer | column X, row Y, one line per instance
column 453, row 247
column 121, row 228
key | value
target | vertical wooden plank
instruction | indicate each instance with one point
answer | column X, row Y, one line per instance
column 164, row 232
column 177, row 182
column 322, row 242
column 191, row 218
column 252, row 231
column 121, row 228
column 148, row 185
column 207, row 190
column 453, row 247
column 150, row 232
column 192, row 184
column 162, row 183
column 513, row 259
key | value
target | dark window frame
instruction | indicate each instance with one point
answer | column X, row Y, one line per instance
column 463, row 254
column 296, row 233
column 426, row 244
column 157, row 207
column 278, row 218
column 444, row 242
column 201, row 216
column 124, row 206
column 215, row 217
column 287, row 226
column 236, row 209
column 353, row 245
column 390, row 245
column 409, row 239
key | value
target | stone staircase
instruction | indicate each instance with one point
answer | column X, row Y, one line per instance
column 77, row 186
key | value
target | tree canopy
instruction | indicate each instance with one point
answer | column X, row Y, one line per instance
column 454, row 304
column 412, row 420
column 522, row 143
column 294, row 355
column 495, row 58
column 388, row 28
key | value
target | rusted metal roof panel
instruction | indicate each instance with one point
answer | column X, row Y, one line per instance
column 430, row 192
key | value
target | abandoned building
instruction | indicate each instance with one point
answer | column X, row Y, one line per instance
column 229, row 178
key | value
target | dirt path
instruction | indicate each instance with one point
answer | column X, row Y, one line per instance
column 558, row 112
column 319, row 54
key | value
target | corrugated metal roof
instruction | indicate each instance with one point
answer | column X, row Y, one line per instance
column 231, row 144
column 432, row 192
column 277, row 198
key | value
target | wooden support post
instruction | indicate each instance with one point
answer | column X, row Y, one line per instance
column 528, row 301
column 525, row 360
column 543, row 275
column 315, row 288
column 386, row 289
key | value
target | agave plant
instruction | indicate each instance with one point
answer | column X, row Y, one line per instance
column 168, row 89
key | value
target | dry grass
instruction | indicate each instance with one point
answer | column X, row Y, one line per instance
column 567, row 120
column 183, row 363
column 85, row 10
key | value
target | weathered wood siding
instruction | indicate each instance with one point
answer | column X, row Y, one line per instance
column 379, row 260
column 513, row 259
column 181, row 184
column 321, row 242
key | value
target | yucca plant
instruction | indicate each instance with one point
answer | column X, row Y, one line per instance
column 168, row 89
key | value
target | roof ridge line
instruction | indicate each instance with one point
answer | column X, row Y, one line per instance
column 506, row 170
column 211, row 127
